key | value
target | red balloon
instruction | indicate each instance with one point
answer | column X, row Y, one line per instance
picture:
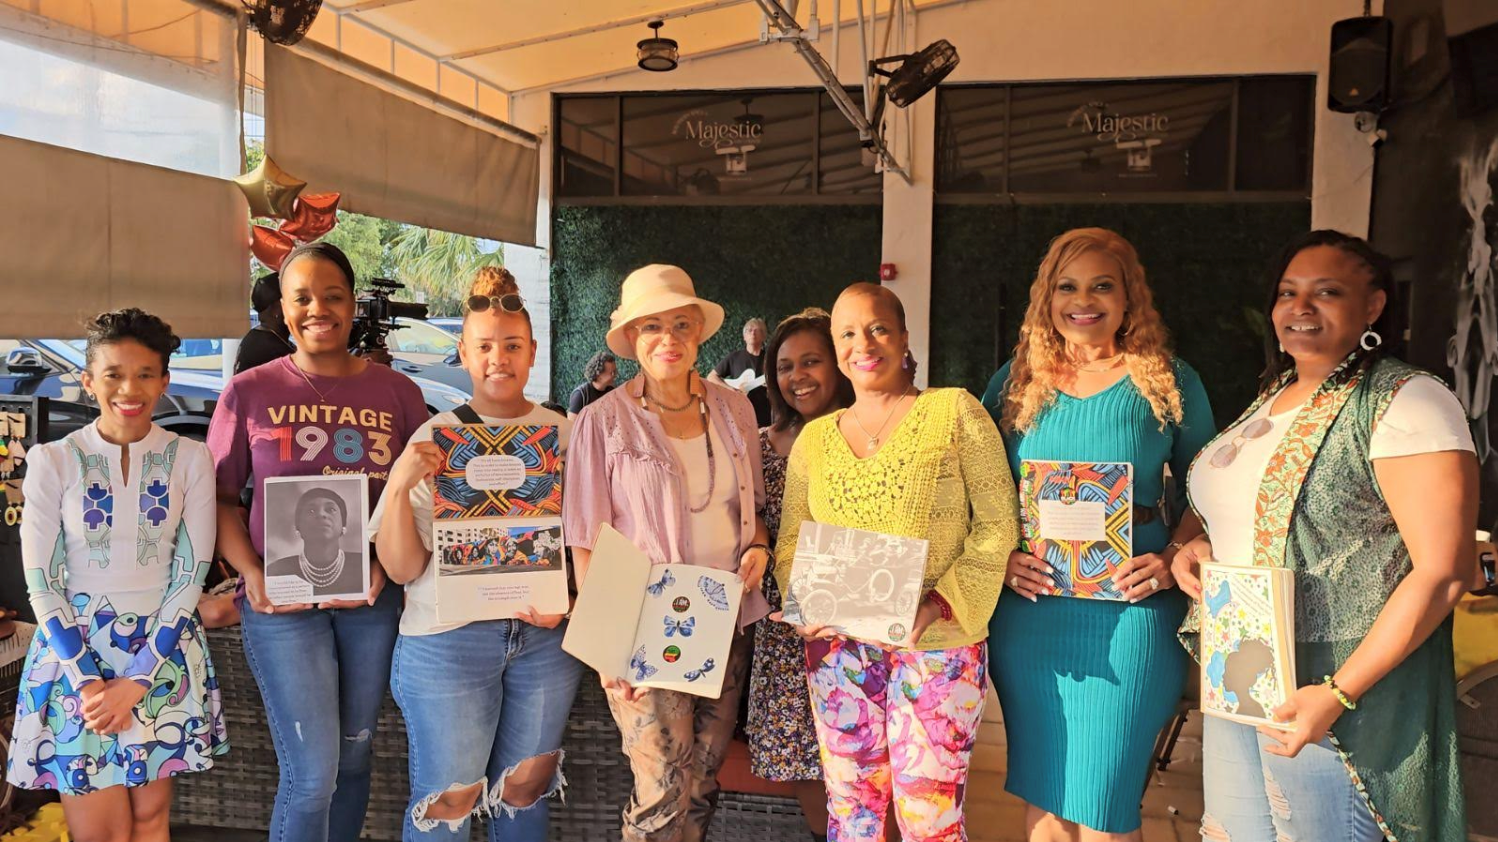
column 313, row 216
column 270, row 246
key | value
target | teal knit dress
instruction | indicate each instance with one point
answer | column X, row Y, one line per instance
column 1086, row 685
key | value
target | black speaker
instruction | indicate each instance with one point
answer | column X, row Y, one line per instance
column 1359, row 76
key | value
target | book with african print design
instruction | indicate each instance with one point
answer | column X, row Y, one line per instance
column 1078, row 517
column 1247, row 642
column 496, row 522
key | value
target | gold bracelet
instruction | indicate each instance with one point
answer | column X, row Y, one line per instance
column 1330, row 682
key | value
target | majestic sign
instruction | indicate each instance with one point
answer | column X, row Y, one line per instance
column 1136, row 134
column 733, row 139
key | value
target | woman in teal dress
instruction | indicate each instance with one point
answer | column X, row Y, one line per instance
column 1086, row 684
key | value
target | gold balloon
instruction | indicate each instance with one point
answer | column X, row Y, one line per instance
column 271, row 191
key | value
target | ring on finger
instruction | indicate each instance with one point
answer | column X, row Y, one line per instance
column 1154, row 584
column 1014, row 582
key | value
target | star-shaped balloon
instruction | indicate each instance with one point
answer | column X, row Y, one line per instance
column 270, row 246
column 314, row 216
column 271, row 191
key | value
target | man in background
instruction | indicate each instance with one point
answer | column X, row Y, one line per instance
column 271, row 339
column 731, row 370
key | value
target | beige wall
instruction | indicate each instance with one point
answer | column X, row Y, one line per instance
column 1030, row 40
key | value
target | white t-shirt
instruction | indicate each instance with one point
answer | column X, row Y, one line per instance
column 714, row 531
column 420, row 616
column 1424, row 417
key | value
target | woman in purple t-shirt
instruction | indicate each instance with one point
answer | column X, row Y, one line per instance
column 322, row 669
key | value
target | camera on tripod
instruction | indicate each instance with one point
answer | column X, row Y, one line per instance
column 375, row 315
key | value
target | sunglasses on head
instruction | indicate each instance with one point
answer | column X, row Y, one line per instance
column 509, row 302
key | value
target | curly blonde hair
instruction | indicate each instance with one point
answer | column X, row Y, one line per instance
column 1040, row 359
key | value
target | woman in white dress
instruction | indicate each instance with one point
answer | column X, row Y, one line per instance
column 118, row 693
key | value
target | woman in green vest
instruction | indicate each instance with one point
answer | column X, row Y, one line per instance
column 1356, row 471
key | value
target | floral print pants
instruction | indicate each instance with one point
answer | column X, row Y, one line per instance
column 896, row 723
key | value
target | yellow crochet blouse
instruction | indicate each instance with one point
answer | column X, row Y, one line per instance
column 942, row 475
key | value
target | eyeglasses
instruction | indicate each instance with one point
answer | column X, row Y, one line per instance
column 509, row 302
column 1228, row 452
column 681, row 329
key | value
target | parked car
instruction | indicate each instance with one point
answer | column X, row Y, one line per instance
column 51, row 368
column 448, row 323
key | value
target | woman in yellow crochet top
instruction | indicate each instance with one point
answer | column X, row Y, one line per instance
column 901, row 722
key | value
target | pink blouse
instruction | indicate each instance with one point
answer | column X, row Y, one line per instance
column 622, row 470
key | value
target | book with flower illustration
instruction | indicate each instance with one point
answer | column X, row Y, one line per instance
column 1247, row 641
column 1078, row 517
column 667, row 626
column 496, row 522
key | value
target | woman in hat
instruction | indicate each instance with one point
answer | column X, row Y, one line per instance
column 673, row 463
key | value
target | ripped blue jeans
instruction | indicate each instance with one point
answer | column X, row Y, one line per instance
column 479, row 700
column 322, row 676
column 1251, row 795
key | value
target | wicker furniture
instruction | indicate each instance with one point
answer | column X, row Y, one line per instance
column 238, row 792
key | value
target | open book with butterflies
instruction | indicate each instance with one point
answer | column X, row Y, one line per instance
column 667, row 626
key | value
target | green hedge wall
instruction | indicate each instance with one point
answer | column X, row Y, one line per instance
column 761, row 260
column 1205, row 264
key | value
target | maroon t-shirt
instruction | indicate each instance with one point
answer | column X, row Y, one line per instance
column 270, row 423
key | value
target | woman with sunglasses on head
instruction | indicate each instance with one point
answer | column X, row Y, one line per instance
column 118, row 693
column 1086, row 684
column 1356, row 471
column 510, row 678
column 672, row 462
column 322, row 669
column 805, row 384
column 897, row 723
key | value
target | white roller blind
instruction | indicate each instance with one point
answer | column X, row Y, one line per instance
column 82, row 233
column 395, row 158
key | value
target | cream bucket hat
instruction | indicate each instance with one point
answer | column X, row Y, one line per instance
column 655, row 289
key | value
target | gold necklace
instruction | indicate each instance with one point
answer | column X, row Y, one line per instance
column 874, row 438
column 1098, row 366
column 291, row 359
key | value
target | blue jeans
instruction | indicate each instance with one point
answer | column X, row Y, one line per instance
column 322, row 674
column 479, row 700
column 1253, row 796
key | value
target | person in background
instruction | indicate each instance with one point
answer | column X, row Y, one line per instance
column 1357, row 471
column 118, row 692
column 322, row 669
column 672, row 462
column 748, row 359
column 1086, row 684
column 599, row 375
column 898, row 722
column 782, row 730
column 510, row 678
column 271, row 339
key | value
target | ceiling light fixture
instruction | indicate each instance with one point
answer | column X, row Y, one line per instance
column 657, row 54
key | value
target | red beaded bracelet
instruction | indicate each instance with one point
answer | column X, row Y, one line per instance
column 941, row 603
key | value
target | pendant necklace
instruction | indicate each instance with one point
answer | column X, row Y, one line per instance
column 874, row 437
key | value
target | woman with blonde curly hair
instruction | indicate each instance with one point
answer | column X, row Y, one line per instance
column 1085, row 684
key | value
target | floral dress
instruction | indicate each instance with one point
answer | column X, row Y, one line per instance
column 114, row 568
column 782, row 734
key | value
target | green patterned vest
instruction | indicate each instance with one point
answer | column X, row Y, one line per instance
column 1321, row 513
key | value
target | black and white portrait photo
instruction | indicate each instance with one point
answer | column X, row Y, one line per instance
column 315, row 550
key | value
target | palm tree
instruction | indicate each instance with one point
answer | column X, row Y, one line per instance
column 439, row 264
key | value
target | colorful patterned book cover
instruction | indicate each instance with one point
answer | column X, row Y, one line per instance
column 1247, row 641
column 1079, row 518
column 512, row 471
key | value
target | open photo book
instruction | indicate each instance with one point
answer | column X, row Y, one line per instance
column 667, row 626
column 496, row 522
column 1078, row 517
column 1247, row 642
column 866, row 585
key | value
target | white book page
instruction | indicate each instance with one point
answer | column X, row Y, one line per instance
column 601, row 632
column 686, row 629
column 496, row 568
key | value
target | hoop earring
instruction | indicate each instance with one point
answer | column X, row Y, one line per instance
column 12, row 515
column 1370, row 339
